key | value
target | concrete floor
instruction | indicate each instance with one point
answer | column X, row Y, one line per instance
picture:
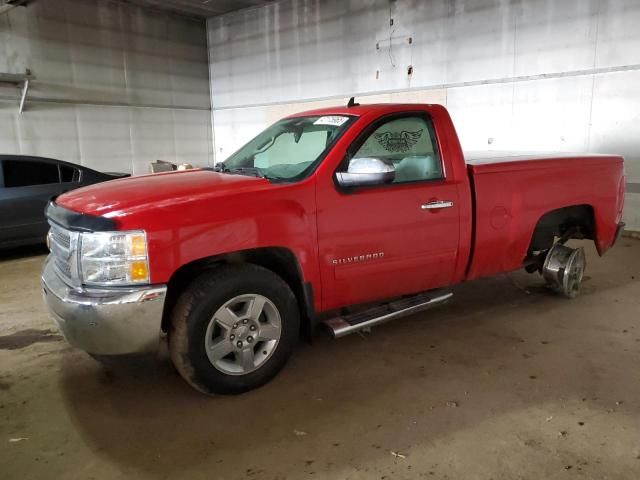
column 505, row 382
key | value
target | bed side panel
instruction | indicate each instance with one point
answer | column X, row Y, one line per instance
column 510, row 201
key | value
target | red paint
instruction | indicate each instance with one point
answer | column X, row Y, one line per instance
column 196, row 214
column 529, row 188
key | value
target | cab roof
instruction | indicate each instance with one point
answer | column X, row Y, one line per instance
column 360, row 110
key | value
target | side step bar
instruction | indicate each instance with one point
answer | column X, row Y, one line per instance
column 346, row 324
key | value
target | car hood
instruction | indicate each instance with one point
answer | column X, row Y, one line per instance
column 123, row 197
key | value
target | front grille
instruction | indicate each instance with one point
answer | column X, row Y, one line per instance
column 62, row 246
column 63, row 267
column 61, row 237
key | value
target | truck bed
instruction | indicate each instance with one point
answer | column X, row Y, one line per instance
column 484, row 162
column 512, row 191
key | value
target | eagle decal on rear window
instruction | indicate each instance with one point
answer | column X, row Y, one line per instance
column 398, row 141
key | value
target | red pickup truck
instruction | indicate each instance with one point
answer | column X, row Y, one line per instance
column 347, row 216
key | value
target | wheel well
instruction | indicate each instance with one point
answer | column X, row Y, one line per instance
column 279, row 260
column 576, row 221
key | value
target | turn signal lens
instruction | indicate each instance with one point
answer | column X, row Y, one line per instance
column 138, row 246
column 138, row 271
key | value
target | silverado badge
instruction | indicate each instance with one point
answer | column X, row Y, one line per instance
column 357, row 258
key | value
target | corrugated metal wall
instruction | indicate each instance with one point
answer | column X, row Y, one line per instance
column 515, row 74
column 115, row 88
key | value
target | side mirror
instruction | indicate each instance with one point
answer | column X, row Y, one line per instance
column 366, row 172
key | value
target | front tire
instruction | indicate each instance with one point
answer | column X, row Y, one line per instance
column 233, row 329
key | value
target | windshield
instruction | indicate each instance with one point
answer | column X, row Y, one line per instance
column 289, row 149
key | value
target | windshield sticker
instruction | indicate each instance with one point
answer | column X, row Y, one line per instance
column 333, row 120
column 398, row 141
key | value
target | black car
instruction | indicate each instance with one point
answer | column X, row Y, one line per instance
column 27, row 184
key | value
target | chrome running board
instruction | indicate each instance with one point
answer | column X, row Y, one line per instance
column 353, row 322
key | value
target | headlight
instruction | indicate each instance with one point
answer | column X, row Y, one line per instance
column 114, row 258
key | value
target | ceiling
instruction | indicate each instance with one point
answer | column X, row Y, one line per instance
column 199, row 8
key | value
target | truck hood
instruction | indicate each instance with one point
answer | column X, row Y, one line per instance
column 123, row 197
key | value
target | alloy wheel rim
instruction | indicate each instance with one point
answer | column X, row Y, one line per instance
column 243, row 334
column 574, row 273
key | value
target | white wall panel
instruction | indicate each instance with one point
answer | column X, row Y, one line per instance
column 618, row 33
column 481, row 40
column 152, row 137
column 428, row 25
column 552, row 115
column 335, row 40
column 95, row 42
column 51, row 133
column 40, row 42
column 362, row 43
column 8, row 130
column 191, row 128
column 553, row 36
column 482, row 115
column 104, row 135
column 147, row 59
column 115, row 85
column 4, row 43
column 616, row 118
column 632, row 210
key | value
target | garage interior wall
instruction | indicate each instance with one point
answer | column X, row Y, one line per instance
column 537, row 75
column 116, row 87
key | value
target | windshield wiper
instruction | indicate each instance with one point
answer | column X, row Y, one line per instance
column 253, row 171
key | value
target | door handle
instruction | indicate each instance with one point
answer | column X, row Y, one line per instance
column 437, row 204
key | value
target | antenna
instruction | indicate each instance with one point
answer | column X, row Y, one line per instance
column 352, row 103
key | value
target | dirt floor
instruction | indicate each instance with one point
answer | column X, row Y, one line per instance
column 505, row 382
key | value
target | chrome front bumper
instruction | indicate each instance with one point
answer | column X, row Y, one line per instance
column 110, row 321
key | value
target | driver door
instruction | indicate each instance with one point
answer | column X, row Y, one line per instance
column 383, row 241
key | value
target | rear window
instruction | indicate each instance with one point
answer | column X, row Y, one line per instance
column 28, row 173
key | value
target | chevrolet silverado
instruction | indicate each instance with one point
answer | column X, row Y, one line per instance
column 347, row 216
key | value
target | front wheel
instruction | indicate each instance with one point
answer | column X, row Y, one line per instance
column 233, row 329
